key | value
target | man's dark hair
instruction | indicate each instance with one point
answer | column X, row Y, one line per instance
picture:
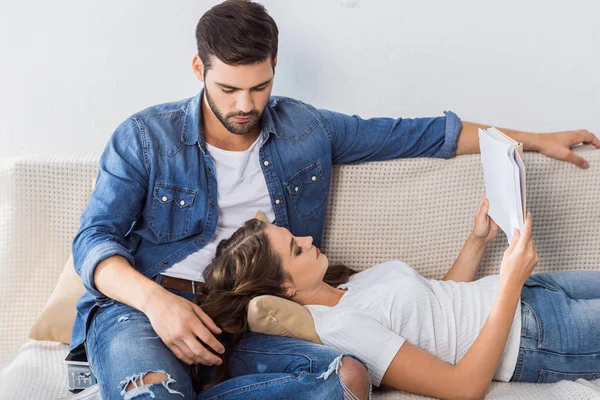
column 237, row 32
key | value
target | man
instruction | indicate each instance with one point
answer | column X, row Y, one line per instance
column 177, row 178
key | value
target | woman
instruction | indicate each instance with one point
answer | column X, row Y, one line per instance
column 446, row 339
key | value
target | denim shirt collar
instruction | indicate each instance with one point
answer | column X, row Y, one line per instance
column 192, row 124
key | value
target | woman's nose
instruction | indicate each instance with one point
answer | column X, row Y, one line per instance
column 308, row 241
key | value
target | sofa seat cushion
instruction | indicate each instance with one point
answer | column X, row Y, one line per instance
column 38, row 372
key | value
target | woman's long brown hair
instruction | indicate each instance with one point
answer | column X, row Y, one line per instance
column 245, row 266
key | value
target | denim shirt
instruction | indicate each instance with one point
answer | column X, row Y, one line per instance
column 155, row 199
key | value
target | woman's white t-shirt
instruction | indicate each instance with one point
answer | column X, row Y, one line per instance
column 391, row 303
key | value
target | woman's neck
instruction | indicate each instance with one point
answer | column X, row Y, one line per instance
column 324, row 295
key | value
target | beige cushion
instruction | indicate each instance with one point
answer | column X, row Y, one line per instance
column 273, row 315
column 58, row 314
column 270, row 315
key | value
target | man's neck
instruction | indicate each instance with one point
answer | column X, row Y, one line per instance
column 217, row 135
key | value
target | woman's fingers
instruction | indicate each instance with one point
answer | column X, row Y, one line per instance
column 526, row 234
column 513, row 242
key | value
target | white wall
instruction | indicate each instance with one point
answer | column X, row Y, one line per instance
column 72, row 70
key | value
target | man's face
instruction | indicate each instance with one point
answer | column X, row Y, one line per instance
column 238, row 95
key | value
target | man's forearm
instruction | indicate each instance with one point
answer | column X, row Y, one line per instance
column 465, row 267
column 468, row 139
column 117, row 279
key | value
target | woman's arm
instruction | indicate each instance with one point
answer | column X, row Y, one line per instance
column 465, row 267
column 485, row 229
column 417, row 371
column 414, row 370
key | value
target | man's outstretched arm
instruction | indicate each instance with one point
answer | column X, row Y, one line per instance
column 555, row 145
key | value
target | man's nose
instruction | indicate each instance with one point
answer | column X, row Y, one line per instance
column 244, row 102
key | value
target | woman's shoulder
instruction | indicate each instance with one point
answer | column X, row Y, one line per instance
column 388, row 269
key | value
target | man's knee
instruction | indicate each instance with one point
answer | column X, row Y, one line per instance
column 147, row 379
column 355, row 378
column 140, row 384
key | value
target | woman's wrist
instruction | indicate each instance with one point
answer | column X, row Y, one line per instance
column 477, row 240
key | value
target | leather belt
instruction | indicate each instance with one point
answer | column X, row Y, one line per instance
column 184, row 285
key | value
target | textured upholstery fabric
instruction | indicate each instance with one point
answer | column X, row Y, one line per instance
column 418, row 210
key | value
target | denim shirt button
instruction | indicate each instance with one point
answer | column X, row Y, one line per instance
column 166, row 262
column 314, row 178
column 201, row 240
column 211, row 205
column 165, row 199
column 277, row 201
column 182, row 203
column 208, row 169
column 296, row 189
column 266, row 163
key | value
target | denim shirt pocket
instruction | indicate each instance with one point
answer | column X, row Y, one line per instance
column 171, row 214
column 307, row 191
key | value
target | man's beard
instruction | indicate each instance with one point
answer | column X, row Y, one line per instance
column 228, row 122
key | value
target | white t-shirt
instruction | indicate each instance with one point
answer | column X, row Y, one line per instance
column 242, row 191
column 390, row 303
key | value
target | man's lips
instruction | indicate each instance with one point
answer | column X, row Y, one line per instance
column 241, row 119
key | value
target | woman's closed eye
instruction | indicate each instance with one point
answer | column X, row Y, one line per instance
column 298, row 250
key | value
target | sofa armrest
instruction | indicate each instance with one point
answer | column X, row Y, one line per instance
column 41, row 199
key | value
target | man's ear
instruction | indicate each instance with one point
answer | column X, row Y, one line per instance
column 274, row 62
column 198, row 67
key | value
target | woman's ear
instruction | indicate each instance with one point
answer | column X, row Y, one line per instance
column 288, row 289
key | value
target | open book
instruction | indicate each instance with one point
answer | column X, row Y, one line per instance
column 504, row 177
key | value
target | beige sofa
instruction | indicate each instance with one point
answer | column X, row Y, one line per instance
column 418, row 210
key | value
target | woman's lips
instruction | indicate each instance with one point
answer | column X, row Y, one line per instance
column 318, row 252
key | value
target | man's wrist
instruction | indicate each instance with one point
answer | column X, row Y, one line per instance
column 531, row 141
column 150, row 292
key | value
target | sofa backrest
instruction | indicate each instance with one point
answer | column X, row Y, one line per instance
column 417, row 210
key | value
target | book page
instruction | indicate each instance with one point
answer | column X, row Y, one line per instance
column 502, row 171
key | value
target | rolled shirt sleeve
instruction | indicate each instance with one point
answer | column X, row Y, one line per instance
column 115, row 204
column 355, row 139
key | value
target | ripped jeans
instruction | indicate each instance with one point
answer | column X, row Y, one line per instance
column 121, row 346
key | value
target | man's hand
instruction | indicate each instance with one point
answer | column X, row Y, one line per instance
column 558, row 145
column 484, row 228
column 184, row 328
column 555, row 145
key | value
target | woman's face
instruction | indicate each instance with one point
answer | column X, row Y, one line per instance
column 300, row 259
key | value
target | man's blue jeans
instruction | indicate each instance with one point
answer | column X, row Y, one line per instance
column 122, row 346
column 560, row 334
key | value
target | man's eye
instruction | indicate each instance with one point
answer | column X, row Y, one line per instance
column 227, row 91
column 262, row 89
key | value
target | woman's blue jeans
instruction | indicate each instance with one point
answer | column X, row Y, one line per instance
column 560, row 334
column 122, row 346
